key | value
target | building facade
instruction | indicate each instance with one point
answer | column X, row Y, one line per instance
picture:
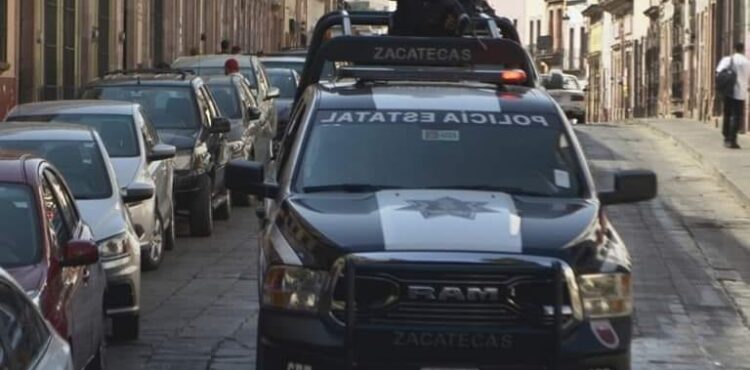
column 66, row 43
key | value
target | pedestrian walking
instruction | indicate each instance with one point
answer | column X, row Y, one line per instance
column 732, row 77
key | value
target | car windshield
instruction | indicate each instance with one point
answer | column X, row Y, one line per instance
column 169, row 107
column 117, row 131
column 80, row 162
column 285, row 81
column 297, row 66
column 227, row 98
column 245, row 70
column 19, row 231
column 522, row 154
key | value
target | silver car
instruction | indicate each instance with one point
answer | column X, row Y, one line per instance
column 27, row 340
column 79, row 154
column 568, row 93
column 140, row 160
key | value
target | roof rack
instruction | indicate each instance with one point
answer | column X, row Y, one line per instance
column 495, row 43
column 183, row 73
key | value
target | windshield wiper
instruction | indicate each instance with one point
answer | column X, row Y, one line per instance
column 500, row 189
column 348, row 188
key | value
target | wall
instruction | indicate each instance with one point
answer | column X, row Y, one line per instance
column 9, row 78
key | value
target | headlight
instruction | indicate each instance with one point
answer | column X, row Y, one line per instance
column 115, row 247
column 294, row 288
column 606, row 295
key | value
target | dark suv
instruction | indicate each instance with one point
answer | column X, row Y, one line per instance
column 428, row 214
column 186, row 116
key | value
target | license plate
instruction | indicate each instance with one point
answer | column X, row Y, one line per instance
column 451, row 340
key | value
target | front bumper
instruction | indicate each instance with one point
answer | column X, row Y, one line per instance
column 123, row 294
column 304, row 342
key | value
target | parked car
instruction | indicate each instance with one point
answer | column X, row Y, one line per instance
column 568, row 93
column 250, row 67
column 236, row 102
column 27, row 340
column 50, row 250
column 139, row 158
column 185, row 116
column 287, row 80
column 79, row 154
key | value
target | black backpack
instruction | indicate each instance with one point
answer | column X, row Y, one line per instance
column 726, row 79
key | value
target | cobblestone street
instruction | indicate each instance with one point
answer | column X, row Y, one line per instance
column 689, row 247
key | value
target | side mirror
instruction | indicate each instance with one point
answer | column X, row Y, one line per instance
column 161, row 152
column 249, row 178
column 253, row 113
column 220, row 125
column 273, row 93
column 631, row 187
column 138, row 192
column 80, row 253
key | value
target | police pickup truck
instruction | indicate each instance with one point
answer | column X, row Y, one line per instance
column 432, row 209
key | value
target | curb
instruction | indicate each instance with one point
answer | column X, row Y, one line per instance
column 724, row 179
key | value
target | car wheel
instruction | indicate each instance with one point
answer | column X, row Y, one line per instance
column 126, row 327
column 224, row 212
column 151, row 260
column 201, row 211
column 170, row 234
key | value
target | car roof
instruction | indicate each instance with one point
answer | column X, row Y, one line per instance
column 283, row 59
column 434, row 96
column 148, row 78
column 213, row 60
column 45, row 131
column 13, row 164
column 288, row 71
column 221, row 79
column 75, row 107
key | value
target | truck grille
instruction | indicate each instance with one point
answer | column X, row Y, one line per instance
column 425, row 297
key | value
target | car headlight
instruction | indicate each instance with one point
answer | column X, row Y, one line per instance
column 606, row 295
column 115, row 247
column 294, row 288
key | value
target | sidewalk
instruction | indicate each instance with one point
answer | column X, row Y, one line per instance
column 705, row 143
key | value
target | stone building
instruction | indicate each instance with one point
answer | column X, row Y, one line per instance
column 50, row 48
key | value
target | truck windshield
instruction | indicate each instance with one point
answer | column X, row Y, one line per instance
column 169, row 107
column 522, row 154
column 19, row 231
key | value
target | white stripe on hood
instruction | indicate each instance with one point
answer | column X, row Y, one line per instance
column 449, row 220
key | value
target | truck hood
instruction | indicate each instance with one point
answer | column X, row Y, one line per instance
column 434, row 220
column 180, row 138
column 105, row 217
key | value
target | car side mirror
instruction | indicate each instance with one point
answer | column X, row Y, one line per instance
column 248, row 177
column 253, row 113
column 220, row 125
column 273, row 93
column 137, row 192
column 160, row 152
column 80, row 253
column 631, row 187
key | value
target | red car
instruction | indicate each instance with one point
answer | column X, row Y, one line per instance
column 51, row 252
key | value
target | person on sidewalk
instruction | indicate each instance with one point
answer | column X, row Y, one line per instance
column 734, row 98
